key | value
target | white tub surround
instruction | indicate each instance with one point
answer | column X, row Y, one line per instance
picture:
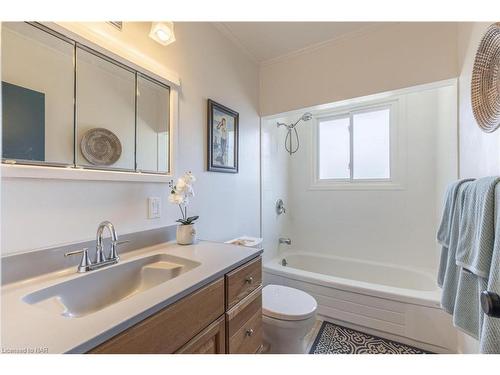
column 31, row 327
column 385, row 300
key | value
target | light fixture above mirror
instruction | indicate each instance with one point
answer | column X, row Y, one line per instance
column 162, row 32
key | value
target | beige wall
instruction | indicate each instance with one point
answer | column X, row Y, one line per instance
column 479, row 151
column 210, row 66
column 384, row 57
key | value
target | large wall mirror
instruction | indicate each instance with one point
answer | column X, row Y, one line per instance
column 64, row 104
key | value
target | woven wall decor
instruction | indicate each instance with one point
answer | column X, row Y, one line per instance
column 485, row 86
column 101, row 147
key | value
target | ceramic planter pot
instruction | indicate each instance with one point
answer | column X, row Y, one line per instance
column 186, row 234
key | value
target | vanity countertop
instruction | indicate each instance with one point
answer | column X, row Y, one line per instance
column 29, row 329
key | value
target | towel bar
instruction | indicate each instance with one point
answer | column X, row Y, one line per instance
column 490, row 303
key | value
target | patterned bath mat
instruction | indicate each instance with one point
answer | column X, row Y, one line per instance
column 334, row 339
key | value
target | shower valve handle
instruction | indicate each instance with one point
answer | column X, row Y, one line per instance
column 490, row 302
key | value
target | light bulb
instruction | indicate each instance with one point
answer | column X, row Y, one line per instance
column 162, row 32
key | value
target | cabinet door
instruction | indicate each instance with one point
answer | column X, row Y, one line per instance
column 171, row 328
column 105, row 112
column 210, row 341
column 153, row 126
column 37, row 95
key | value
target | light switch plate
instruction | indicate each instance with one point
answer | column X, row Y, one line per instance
column 154, row 207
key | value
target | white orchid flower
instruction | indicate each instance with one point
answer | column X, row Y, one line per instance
column 181, row 185
column 180, row 195
column 176, row 198
column 189, row 178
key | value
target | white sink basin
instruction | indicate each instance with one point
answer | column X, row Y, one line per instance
column 98, row 289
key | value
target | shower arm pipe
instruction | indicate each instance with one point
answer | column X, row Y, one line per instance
column 292, row 126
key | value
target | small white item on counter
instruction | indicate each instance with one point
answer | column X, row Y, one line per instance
column 247, row 241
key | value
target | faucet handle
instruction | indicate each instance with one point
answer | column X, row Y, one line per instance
column 84, row 262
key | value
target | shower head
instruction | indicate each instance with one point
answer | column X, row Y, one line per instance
column 306, row 116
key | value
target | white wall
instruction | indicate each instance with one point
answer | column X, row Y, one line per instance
column 55, row 212
column 382, row 58
column 392, row 226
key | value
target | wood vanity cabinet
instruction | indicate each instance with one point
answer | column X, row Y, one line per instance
column 222, row 317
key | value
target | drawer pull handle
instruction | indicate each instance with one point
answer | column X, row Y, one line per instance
column 249, row 280
column 249, row 332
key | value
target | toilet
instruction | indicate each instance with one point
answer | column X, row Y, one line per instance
column 288, row 315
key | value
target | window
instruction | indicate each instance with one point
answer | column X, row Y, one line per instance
column 355, row 146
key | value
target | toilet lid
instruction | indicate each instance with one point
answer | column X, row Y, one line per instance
column 285, row 303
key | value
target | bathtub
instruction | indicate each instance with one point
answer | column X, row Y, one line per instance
column 390, row 301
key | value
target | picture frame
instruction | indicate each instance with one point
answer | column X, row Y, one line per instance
column 223, row 138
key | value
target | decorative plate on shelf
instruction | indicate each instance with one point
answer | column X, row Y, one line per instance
column 485, row 85
column 101, row 147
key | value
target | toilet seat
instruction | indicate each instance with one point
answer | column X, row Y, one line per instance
column 285, row 303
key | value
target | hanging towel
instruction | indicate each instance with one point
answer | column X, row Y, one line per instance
column 448, row 270
column 468, row 314
column 474, row 252
column 444, row 231
column 477, row 227
column 490, row 332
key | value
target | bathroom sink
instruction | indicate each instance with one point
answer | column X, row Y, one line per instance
column 98, row 289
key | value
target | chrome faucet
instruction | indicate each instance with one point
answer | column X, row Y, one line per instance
column 99, row 254
column 285, row 240
column 100, row 258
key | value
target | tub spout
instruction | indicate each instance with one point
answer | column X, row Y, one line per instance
column 286, row 241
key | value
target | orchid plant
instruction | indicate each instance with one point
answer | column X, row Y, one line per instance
column 180, row 195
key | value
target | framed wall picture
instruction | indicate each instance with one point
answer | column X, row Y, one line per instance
column 222, row 138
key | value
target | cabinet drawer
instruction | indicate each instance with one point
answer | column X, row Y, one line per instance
column 243, row 311
column 243, row 281
column 247, row 339
column 172, row 327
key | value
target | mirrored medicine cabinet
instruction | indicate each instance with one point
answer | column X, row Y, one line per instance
column 65, row 104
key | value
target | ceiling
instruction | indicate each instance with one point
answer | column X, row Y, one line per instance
column 265, row 41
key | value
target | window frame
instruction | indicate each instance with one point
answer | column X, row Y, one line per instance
column 393, row 182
